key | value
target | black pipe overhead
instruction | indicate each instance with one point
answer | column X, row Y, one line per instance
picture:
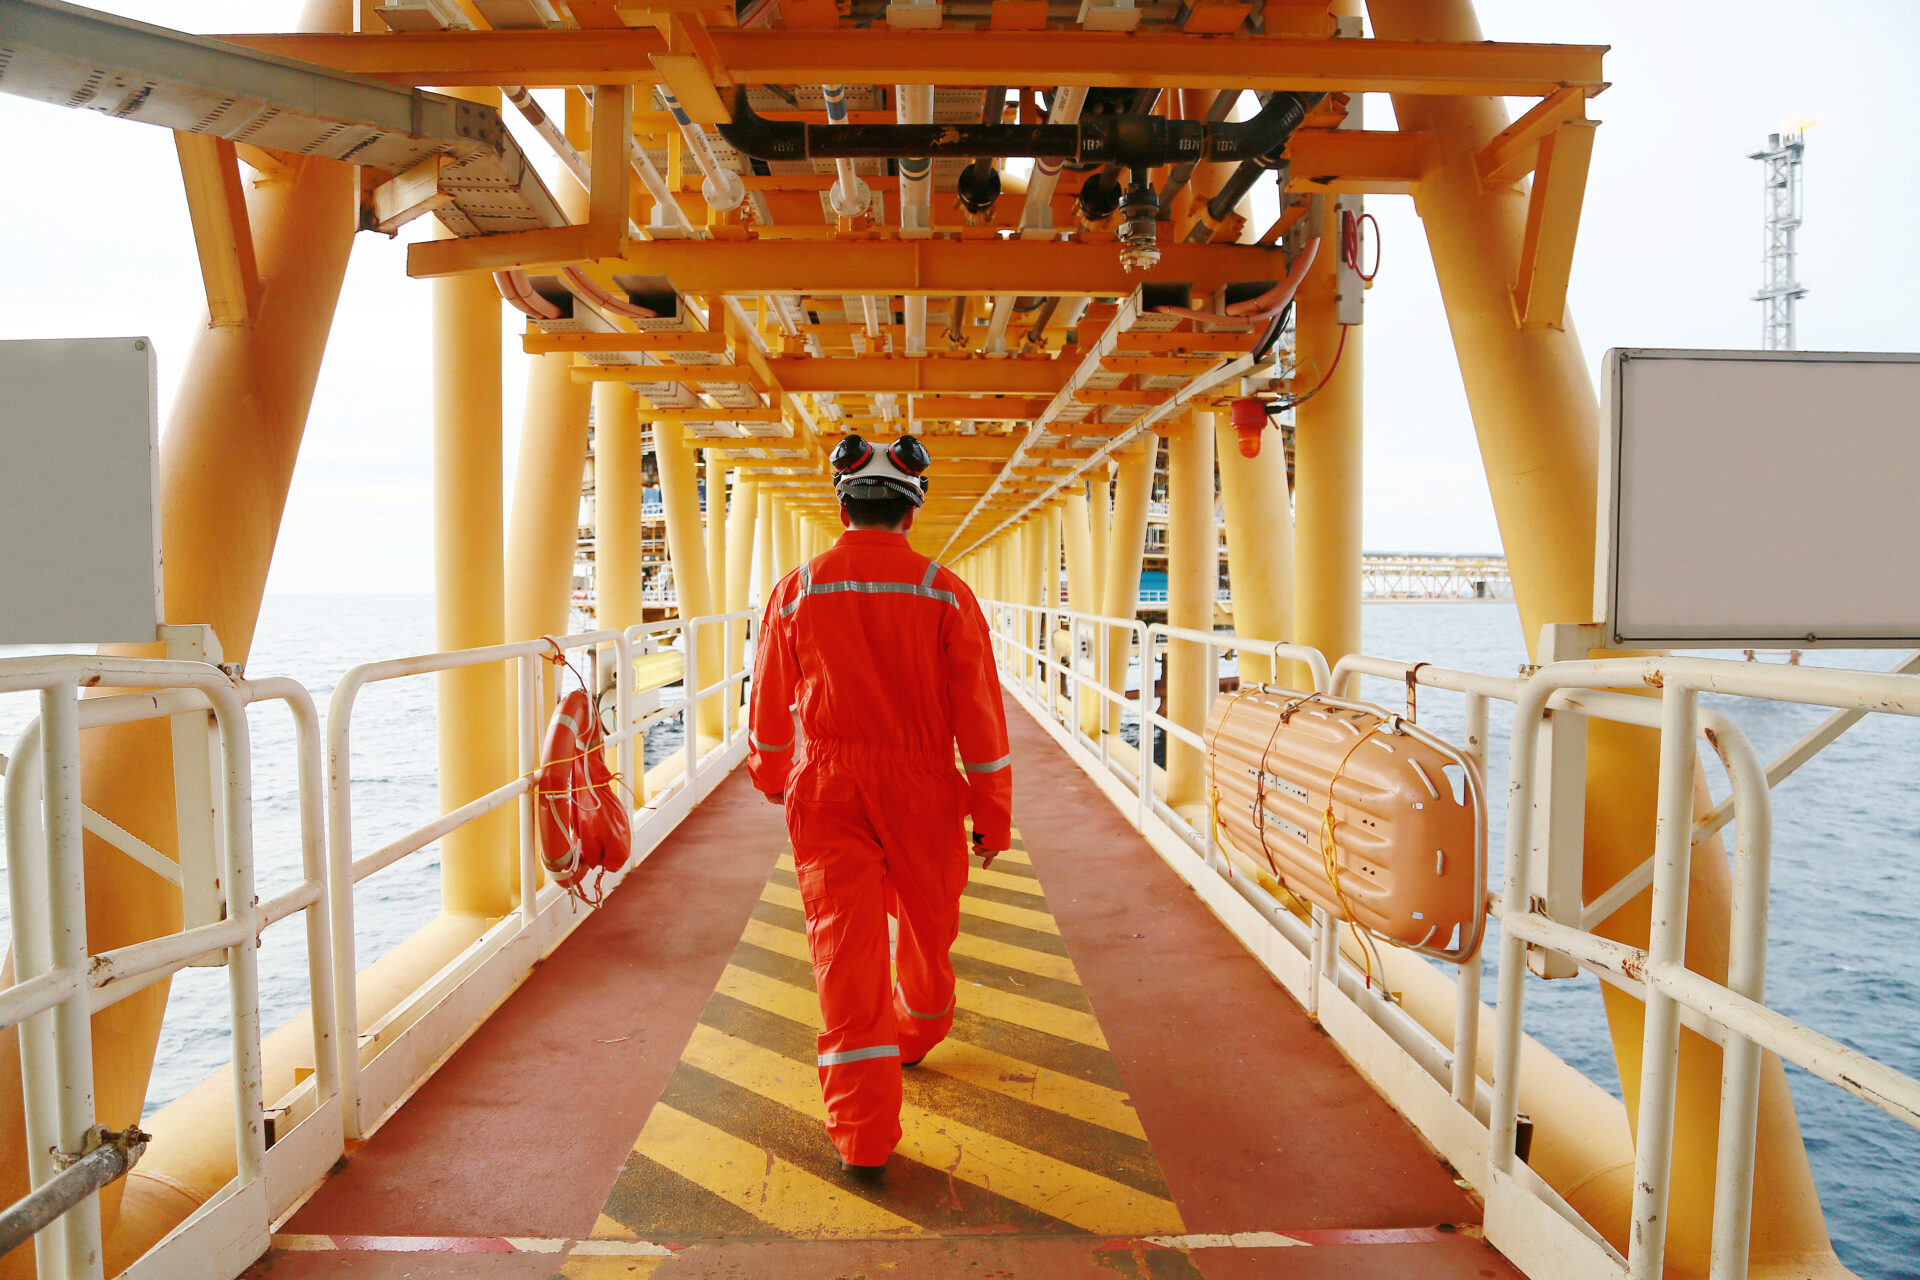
column 1137, row 141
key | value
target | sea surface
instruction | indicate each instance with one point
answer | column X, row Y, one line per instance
column 1843, row 958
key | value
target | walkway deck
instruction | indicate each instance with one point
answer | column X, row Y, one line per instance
column 1126, row 1093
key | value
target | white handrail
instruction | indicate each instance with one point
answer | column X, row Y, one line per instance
column 56, row 973
column 1733, row 1012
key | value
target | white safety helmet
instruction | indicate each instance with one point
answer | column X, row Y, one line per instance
column 862, row 472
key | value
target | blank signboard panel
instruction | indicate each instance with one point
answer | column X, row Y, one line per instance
column 1759, row 499
column 81, row 540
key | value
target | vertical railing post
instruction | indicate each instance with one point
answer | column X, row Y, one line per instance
column 689, row 706
column 623, row 720
column 527, row 684
column 1660, row 1052
column 1466, row 991
column 63, row 1130
column 243, row 972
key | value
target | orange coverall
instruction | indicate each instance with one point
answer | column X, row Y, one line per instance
column 887, row 659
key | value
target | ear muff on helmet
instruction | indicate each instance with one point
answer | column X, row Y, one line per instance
column 862, row 473
column 851, row 454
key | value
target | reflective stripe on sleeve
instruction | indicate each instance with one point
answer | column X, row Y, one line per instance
column 991, row 766
column 806, row 585
column 769, row 746
column 859, row 1055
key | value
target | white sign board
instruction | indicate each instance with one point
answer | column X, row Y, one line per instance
column 79, row 519
column 1755, row 499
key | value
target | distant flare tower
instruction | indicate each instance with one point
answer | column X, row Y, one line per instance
column 1779, row 290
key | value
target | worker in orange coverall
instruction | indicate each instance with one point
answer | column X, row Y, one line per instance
column 886, row 658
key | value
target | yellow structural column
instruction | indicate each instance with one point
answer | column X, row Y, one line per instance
column 1126, row 548
column 716, row 525
column 1082, row 596
column 1100, row 531
column 785, row 554
column 478, row 868
column 1193, row 569
column 741, row 516
column 1327, row 468
column 763, row 536
column 687, row 553
column 543, row 532
column 1537, row 421
column 1253, row 495
column 618, row 484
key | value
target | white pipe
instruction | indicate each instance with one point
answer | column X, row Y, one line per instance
column 914, row 105
column 721, row 186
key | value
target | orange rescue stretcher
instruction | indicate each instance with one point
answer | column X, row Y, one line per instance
column 1356, row 810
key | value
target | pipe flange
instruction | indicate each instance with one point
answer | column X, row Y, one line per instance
column 724, row 190
column 850, row 204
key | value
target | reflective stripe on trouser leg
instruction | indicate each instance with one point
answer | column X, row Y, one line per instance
column 839, row 865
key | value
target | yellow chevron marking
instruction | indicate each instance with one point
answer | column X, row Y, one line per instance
column 1087, row 1200
column 791, row 942
column 977, row 1066
column 1001, row 880
column 609, row 1268
column 1039, row 921
column 803, row 1006
column 606, row 1228
column 975, row 875
column 785, row 1197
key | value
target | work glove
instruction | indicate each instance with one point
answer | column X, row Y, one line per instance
column 986, row 855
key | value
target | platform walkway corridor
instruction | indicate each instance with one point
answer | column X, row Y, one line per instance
column 1125, row 1094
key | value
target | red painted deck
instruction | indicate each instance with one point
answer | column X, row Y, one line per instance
column 1280, row 1159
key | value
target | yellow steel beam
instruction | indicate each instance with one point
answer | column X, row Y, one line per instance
column 689, row 375
column 980, row 408
column 852, row 266
column 880, row 55
column 611, row 174
column 691, row 69
column 1553, row 219
column 870, row 374
column 1513, row 150
column 217, row 206
column 534, row 342
column 1359, row 161
column 410, row 195
column 696, row 416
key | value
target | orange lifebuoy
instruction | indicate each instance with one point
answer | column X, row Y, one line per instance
column 583, row 826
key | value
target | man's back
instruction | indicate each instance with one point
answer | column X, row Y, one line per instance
column 881, row 651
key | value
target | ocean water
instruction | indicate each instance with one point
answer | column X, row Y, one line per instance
column 1843, row 956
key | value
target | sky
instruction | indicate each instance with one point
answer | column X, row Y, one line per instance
column 94, row 241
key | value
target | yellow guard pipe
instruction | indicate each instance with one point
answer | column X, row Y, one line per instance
column 1253, row 493
column 687, row 552
column 1081, row 593
column 1126, row 548
column 1193, row 568
column 1537, row 420
column 1326, row 468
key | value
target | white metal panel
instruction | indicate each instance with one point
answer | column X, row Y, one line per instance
column 79, row 522
column 1759, row 499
